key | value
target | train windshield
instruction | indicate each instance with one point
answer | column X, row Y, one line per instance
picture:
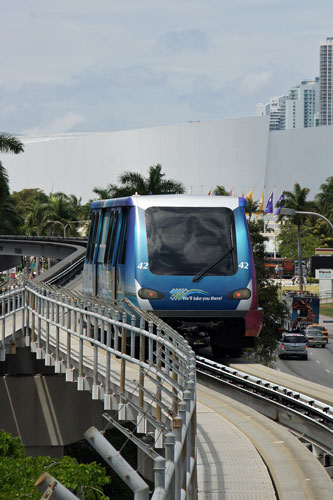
column 183, row 240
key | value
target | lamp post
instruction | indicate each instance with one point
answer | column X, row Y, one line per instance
column 291, row 212
column 67, row 224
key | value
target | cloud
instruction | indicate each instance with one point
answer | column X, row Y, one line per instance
column 65, row 123
column 255, row 81
column 180, row 41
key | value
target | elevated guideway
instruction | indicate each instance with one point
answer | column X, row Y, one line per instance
column 240, row 454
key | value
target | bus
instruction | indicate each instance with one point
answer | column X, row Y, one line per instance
column 279, row 267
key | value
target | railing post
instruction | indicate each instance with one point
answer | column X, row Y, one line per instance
column 32, row 318
column 57, row 367
column 116, row 332
column 107, row 395
column 3, row 336
column 69, row 370
column 80, row 380
column 158, row 379
column 159, row 473
column 133, row 320
column 95, row 388
column 178, row 432
column 39, row 329
column 170, row 440
column 142, row 359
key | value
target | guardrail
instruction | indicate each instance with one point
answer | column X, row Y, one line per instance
column 94, row 344
column 310, row 418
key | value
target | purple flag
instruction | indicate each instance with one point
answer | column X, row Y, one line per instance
column 269, row 206
column 279, row 204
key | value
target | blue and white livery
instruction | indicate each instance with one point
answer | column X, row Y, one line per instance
column 186, row 258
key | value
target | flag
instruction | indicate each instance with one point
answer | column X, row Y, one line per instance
column 250, row 195
column 269, row 206
column 280, row 204
column 261, row 204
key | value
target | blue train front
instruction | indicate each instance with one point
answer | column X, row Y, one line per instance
column 186, row 258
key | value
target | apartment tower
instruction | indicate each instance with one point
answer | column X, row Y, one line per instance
column 326, row 97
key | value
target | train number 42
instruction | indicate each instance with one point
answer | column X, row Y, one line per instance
column 243, row 265
column 143, row 265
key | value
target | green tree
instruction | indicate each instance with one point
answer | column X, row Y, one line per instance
column 325, row 198
column 251, row 207
column 8, row 217
column 19, row 473
column 310, row 239
column 268, row 298
column 61, row 214
column 132, row 182
column 220, row 191
column 296, row 200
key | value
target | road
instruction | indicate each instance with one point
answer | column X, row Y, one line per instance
column 319, row 367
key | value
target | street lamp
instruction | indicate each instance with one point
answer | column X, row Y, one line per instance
column 291, row 212
column 68, row 223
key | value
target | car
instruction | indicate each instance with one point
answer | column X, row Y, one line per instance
column 317, row 327
column 293, row 344
column 315, row 338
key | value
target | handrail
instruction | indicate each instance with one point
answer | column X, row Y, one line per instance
column 88, row 338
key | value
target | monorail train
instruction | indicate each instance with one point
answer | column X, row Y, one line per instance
column 187, row 259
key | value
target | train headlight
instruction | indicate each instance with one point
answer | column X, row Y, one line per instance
column 241, row 294
column 148, row 293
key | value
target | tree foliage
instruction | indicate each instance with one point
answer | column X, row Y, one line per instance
column 19, row 473
column 287, row 238
column 133, row 182
column 324, row 198
column 268, row 298
column 9, row 218
column 220, row 191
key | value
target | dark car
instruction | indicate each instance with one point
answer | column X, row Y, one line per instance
column 293, row 344
column 315, row 338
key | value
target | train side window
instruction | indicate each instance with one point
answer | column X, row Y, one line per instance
column 112, row 234
column 108, row 238
column 122, row 244
column 93, row 236
column 103, row 238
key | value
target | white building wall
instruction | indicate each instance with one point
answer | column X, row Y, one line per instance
column 241, row 154
column 299, row 155
column 201, row 155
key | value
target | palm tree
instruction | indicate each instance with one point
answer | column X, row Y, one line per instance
column 9, row 144
column 325, row 198
column 251, row 207
column 36, row 217
column 220, row 191
column 103, row 193
column 133, row 182
column 9, row 221
column 296, row 199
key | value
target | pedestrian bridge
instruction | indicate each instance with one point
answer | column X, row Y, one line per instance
column 136, row 368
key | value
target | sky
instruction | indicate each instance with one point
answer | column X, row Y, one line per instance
column 71, row 66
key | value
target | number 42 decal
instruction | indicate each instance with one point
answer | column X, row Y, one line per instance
column 143, row 265
column 243, row 265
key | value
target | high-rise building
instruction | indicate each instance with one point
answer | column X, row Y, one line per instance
column 298, row 109
column 302, row 105
column 326, row 94
column 275, row 109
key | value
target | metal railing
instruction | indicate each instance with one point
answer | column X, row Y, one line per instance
column 133, row 361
